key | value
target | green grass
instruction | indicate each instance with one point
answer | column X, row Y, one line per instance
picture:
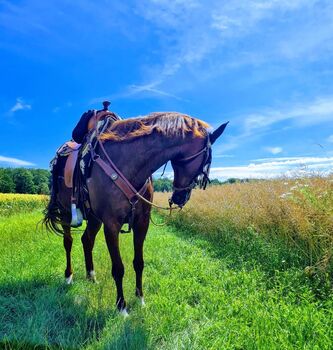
column 199, row 295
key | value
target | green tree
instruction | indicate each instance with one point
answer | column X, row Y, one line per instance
column 162, row 185
column 215, row 182
column 7, row 184
column 23, row 179
column 41, row 179
column 43, row 188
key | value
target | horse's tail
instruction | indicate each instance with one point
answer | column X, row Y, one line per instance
column 52, row 214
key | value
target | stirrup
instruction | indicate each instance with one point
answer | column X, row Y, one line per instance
column 77, row 217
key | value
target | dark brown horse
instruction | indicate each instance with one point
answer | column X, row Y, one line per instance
column 138, row 147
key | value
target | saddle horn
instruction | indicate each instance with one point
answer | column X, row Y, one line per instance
column 106, row 105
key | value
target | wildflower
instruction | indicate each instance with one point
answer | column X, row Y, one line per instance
column 285, row 195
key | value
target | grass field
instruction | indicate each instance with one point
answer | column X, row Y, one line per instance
column 295, row 213
column 200, row 294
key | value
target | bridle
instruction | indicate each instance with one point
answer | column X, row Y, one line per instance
column 201, row 178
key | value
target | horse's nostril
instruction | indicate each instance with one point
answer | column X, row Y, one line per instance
column 180, row 198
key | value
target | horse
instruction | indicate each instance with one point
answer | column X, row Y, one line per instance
column 137, row 147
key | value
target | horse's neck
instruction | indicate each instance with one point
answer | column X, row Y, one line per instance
column 139, row 159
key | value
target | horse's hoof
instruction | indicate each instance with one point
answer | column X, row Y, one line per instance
column 142, row 301
column 123, row 312
column 69, row 280
column 91, row 276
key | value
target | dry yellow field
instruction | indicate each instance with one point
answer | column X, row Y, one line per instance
column 18, row 203
column 298, row 211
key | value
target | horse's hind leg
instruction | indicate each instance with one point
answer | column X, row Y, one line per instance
column 68, row 241
column 88, row 241
column 111, row 232
column 140, row 229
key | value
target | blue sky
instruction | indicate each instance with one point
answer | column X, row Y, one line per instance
column 264, row 65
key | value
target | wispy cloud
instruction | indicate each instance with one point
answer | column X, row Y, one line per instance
column 15, row 161
column 200, row 34
column 274, row 150
column 20, row 105
column 295, row 115
column 143, row 90
column 150, row 88
column 314, row 112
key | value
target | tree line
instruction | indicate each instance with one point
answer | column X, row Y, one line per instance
column 165, row 184
column 23, row 180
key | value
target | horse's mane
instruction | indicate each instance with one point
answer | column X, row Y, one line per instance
column 166, row 123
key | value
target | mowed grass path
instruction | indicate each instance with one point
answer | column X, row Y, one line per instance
column 197, row 297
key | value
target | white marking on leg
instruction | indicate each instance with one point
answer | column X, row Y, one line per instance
column 123, row 312
column 142, row 301
column 69, row 280
column 91, row 275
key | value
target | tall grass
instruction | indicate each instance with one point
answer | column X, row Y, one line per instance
column 20, row 203
column 300, row 212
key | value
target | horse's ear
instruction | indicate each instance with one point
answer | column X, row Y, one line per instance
column 217, row 133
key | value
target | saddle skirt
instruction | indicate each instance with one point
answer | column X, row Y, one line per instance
column 70, row 166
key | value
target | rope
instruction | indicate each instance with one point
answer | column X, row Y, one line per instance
column 159, row 225
column 170, row 209
column 155, row 205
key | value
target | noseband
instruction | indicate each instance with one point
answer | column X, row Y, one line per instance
column 202, row 177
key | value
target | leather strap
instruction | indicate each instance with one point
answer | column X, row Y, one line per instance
column 118, row 177
column 192, row 156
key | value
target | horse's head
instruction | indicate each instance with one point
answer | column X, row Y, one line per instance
column 191, row 167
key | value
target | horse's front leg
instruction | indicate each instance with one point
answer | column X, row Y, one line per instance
column 111, row 232
column 140, row 229
column 68, row 242
column 88, row 241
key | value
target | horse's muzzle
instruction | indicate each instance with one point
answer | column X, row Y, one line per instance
column 180, row 198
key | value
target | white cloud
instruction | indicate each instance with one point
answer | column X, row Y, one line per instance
column 274, row 150
column 15, row 161
column 200, row 32
column 150, row 88
column 315, row 112
column 269, row 168
column 301, row 114
column 19, row 106
column 133, row 90
column 276, row 167
column 330, row 139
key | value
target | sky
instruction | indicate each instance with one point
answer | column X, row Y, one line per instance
column 264, row 65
